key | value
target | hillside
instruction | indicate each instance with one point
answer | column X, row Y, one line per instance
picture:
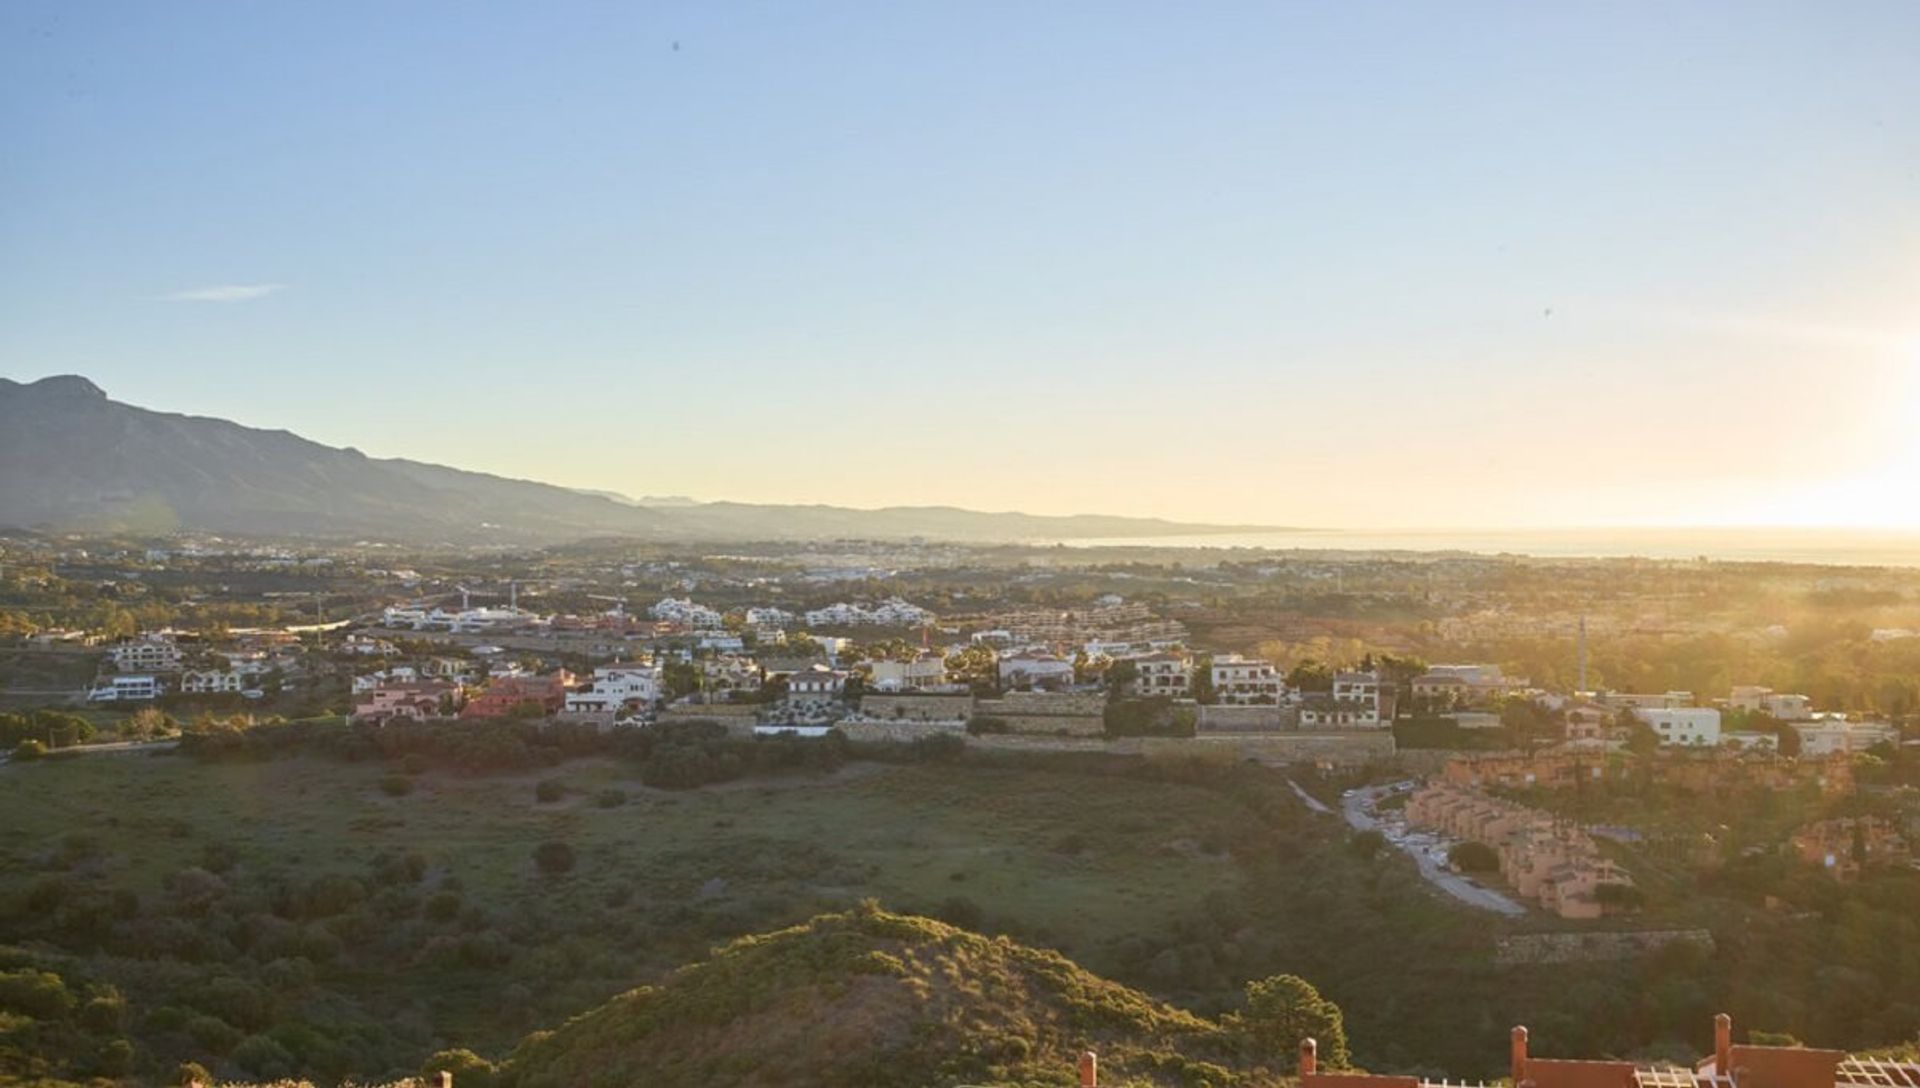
column 70, row 458
column 872, row 998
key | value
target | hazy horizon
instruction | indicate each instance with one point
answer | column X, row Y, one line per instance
column 1370, row 267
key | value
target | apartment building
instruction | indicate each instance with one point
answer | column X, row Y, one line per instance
column 1682, row 726
column 1163, row 674
column 1446, row 687
column 152, row 653
column 1830, row 735
column 924, row 672
column 1785, row 706
column 414, row 701
column 1245, row 681
column 212, row 682
column 1358, row 700
column 127, row 688
column 631, row 686
column 507, row 695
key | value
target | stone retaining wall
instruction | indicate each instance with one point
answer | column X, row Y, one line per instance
column 1534, row 948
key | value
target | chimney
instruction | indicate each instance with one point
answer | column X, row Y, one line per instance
column 1089, row 1069
column 1518, row 1055
column 1309, row 1057
column 1723, row 1045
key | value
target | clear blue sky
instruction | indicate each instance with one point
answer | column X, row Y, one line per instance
column 1360, row 264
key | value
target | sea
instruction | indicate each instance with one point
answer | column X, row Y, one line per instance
column 1833, row 547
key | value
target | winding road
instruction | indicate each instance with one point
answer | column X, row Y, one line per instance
column 1357, row 806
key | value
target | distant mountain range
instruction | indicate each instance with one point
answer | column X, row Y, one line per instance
column 72, row 459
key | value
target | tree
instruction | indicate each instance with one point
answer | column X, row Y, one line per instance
column 1285, row 1010
column 1310, row 676
column 1474, row 857
column 1527, row 721
column 469, row 1070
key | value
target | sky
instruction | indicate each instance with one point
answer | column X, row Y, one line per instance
column 1348, row 264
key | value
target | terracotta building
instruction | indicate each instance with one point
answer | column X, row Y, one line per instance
column 1544, row 859
column 1847, row 847
column 503, row 695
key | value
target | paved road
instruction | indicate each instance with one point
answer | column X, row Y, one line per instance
column 1357, row 805
column 1309, row 799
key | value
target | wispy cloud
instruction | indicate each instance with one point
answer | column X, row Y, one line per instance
column 226, row 292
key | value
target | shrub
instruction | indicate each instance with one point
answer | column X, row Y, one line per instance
column 396, row 785
column 1474, row 857
column 213, row 1034
column 29, row 750
column 191, row 1073
column 42, row 995
column 105, row 1014
column 116, row 1058
column 553, row 857
column 469, row 1070
column 1366, row 844
column 443, row 907
column 331, row 894
column 549, row 790
column 612, row 797
column 263, row 1057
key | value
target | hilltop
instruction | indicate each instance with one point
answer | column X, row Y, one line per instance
column 73, row 459
column 873, row 998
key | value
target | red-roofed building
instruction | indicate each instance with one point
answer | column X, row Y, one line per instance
column 506, row 694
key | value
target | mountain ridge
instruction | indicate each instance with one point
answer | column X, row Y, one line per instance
column 72, row 458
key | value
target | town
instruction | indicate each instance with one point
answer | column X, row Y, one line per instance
column 1181, row 762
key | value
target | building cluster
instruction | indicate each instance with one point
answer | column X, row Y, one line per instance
column 1715, row 771
column 1109, row 627
column 1848, row 846
column 1544, row 858
column 153, row 665
column 1677, row 721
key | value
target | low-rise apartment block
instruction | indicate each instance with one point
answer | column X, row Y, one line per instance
column 1545, row 859
column 1847, row 847
column 1245, row 681
column 1163, row 674
column 151, row 653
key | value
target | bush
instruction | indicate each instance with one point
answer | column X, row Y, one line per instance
column 469, row 1070
column 553, row 857
column 42, row 995
column 191, row 1073
column 263, row 1057
column 116, row 1058
column 443, row 907
column 105, row 1014
column 29, row 750
column 612, row 797
column 549, row 790
column 1474, row 857
column 212, row 1034
column 396, row 785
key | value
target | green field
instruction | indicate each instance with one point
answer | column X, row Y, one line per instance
column 1097, row 866
column 345, row 918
